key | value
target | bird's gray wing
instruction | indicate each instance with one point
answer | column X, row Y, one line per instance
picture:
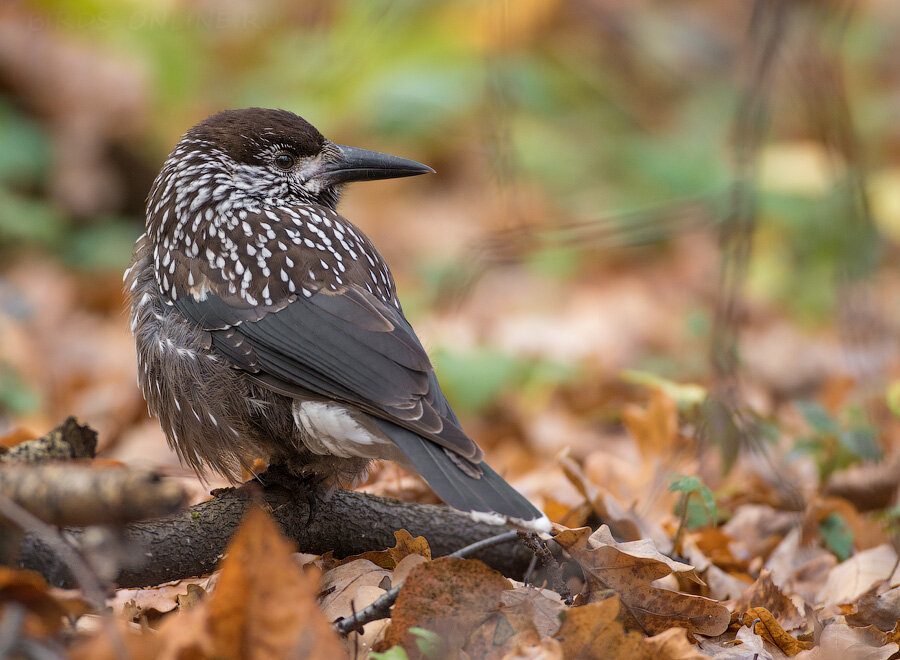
column 346, row 345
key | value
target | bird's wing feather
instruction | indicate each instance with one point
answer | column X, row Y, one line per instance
column 487, row 496
column 347, row 345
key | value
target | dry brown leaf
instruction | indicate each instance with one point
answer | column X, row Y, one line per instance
column 641, row 558
column 406, row 545
column 869, row 486
column 350, row 588
column 757, row 529
column 882, row 611
column 140, row 644
column 769, row 628
column 800, row 570
column 841, row 642
column 564, row 514
column 852, row 578
column 263, row 605
column 654, row 428
column 716, row 544
column 153, row 601
column 753, row 646
column 339, row 585
column 28, row 589
column 592, row 631
column 190, row 600
column 448, row 596
column 604, row 505
column 359, row 644
column 508, row 627
column 546, row 649
column 763, row 593
column 722, row 585
column 15, row 436
column 404, row 567
column 629, row 568
column 548, row 607
column 672, row 644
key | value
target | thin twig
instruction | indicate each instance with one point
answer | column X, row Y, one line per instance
column 489, row 542
column 534, row 543
column 682, row 524
column 528, row 578
column 381, row 608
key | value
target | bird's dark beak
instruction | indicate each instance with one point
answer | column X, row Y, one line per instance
column 357, row 164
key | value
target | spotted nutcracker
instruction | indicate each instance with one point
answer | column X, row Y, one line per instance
column 268, row 325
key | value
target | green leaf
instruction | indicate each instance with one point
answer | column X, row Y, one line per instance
column 23, row 219
column 474, row 379
column 684, row 484
column 429, row 642
column 103, row 246
column 837, row 535
column 685, row 395
column 25, row 151
column 818, row 418
column 699, row 512
column 861, row 442
column 15, row 395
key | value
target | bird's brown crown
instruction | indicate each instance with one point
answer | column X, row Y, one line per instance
column 244, row 134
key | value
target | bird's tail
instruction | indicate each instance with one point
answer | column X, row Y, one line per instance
column 486, row 498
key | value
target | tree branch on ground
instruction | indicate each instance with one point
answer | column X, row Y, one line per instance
column 191, row 542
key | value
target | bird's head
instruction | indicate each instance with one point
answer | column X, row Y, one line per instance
column 236, row 157
column 226, row 212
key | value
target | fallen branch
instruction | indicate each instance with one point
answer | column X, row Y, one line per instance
column 63, row 493
column 67, row 441
column 191, row 542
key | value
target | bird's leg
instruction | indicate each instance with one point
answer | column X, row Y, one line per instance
column 312, row 484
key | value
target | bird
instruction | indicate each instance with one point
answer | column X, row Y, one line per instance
column 268, row 325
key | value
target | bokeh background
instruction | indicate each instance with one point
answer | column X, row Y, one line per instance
column 697, row 197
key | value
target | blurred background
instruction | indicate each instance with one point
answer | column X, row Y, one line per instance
column 695, row 198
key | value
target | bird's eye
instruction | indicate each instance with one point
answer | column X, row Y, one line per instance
column 284, row 161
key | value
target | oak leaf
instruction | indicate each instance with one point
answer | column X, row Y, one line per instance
column 629, row 568
column 592, row 631
column 765, row 594
column 448, row 596
column 406, row 545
